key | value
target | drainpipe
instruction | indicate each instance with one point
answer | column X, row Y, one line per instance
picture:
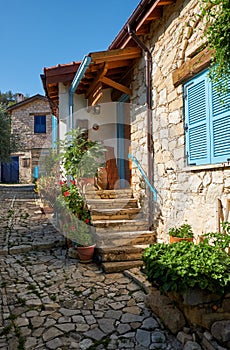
column 74, row 85
column 148, row 67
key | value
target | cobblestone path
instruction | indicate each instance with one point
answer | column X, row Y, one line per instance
column 49, row 301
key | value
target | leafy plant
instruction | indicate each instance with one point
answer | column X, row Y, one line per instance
column 216, row 14
column 81, row 234
column 184, row 231
column 80, row 156
column 183, row 265
column 221, row 240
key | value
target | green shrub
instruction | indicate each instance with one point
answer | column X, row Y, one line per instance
column 184, row 231
column 183, row 265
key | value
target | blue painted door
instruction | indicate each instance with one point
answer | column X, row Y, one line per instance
column 10, row 171
column 123, row 143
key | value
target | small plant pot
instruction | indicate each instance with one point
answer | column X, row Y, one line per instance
column 85, row 254
column 173, row 239
column 47, row 210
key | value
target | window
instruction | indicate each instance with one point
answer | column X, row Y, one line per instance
column 207, row 122
column 39, row 124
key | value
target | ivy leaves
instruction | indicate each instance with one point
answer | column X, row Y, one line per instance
column 216, row 14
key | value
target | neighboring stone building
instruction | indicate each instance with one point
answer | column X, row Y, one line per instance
column 31, row 120
column 178, row 128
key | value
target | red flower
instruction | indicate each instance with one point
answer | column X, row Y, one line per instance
column 66, row 193
column 87, row 221
column 61, row 183
column 72, row 182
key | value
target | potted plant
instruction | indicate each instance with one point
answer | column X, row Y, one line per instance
column 80, row 156
column 81, row 236
column 77, row 227
column 182, row 233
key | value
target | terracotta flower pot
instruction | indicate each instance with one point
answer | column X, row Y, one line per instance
column 85, row 254
column 173, row 239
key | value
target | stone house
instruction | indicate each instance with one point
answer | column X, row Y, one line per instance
column 31, row 120
column 148, row 97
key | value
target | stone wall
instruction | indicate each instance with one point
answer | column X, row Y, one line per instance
column 22, row 118
column 194, row 315
column 185, row 194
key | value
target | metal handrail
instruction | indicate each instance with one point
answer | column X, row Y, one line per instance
column 153, row 190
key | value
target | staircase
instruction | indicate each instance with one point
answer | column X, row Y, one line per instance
column 121, row 231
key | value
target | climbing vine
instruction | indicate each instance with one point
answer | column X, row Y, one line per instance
column 216, row 14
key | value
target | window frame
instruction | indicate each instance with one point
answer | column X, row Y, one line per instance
column 204, row 146
column 41, row 125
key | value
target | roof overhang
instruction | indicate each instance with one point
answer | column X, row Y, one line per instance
column 110, row 68
column 139, row 22
column 107, row 69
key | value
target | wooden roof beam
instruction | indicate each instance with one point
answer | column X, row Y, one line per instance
column 116, row 55
column 95, row 95
column 116, row 85
column 98, row 77
column 165, row 2
column 155, row 14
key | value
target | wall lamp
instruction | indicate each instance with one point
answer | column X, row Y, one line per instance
column 94, row 109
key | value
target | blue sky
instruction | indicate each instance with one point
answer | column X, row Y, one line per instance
column 43, row 33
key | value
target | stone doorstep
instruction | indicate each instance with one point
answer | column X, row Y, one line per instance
column 108, row 194
column 114, row 214
column 120, row 225
column 112, row 203
column 120, row 266
column 116, row 239
column 124, row 253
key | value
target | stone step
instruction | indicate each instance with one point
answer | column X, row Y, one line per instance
column 119, row 225
column 124, row 253
column 119, row 266
column 118, row 239
column 112, row 203
column 108, row 194
column 17, row 191
column 114, row 214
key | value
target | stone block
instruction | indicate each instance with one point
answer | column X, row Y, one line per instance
column 184, row 337
column 191, row 345
column 220, row 330
column 162, row 306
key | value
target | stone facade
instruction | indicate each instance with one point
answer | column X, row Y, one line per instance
column 22, row 123
column 185, row 194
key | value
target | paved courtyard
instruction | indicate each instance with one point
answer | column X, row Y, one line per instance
column 50, row 301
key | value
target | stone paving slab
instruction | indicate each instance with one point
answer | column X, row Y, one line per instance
column 50, row 301
column 24, row 227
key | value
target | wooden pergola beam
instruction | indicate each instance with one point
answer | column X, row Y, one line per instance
column 116, row 85
column 95, row 95
column 99, row 75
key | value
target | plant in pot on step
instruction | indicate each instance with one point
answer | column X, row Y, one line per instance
column 182, row 233
column 81, row 235
column 79, row 230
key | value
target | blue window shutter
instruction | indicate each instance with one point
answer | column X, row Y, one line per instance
column 197, row 120
column 220, row 125
column 40, row 124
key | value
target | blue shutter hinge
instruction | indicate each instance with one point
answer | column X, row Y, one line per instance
column 186, row 127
